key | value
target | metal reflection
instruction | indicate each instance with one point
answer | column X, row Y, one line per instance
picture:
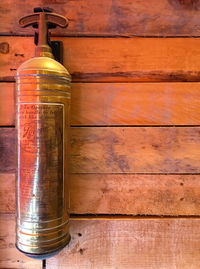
column 42, row 132
column 42, row 185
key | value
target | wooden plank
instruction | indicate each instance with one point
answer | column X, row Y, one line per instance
column 135, row 194
column 135, row 150
column 123, row 150
column 123, row 104
column 125, row 17
column 169, row 195
column 134, row 243
column 123, row 243
column 113, row 59
column 7, row 193
column 7, row 150
column 7, row 116
column 10, row 257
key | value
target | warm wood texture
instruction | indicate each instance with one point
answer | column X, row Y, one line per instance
column 7, row 150
column 128, row 244
column 133, row 170
column 7, row 193
column 135, row 103
column 142, row 243
column 113, row 59
column 122, row 194
column 123, row 150
column 10, row 257
column 122, row 103
column 107, row 17
column 135, row 150
column 135, row 194
column 7, row 115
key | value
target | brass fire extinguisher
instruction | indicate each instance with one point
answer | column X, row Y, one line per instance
column 42, row 136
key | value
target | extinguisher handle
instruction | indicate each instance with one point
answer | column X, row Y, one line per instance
column 52, row 20
column 43, row 19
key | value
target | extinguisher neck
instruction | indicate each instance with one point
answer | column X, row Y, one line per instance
column 43, row 49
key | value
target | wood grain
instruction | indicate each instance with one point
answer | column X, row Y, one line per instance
column 123, row 150
column 135, row 150
column 133, row 243
column 114, row 59
column 135, row 194
column 7, row 109
column 10, row 257
column 169, row 195
column 7, row 150
column 123, row 243
column 122, row 17
column 7, row 193
column 122, row 104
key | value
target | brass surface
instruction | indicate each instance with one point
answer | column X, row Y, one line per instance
column 42, row 136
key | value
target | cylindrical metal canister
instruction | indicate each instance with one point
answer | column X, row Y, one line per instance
column 42, row 141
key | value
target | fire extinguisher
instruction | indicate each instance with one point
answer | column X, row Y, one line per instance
column 42, row 136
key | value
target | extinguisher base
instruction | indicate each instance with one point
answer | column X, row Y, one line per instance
column 47, row 255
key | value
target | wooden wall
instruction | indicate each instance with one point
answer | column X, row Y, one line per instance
column 135, row 147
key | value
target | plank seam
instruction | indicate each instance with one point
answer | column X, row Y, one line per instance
column 124, row 173
column 138, row 216
column 43, row 264
column 12, row 171
column 122, row 126
column 7, row 126
column 132, row 125
column 78, row 35
column 12, row 80
column 74, row 216
column 127, row 173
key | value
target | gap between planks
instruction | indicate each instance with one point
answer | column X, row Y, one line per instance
column 120, row 216
column 118, row 125
column 128, row 217
column 103, row 36
column 10, row 80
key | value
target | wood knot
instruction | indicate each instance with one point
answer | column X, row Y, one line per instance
column 81, row 250
column 4, row 48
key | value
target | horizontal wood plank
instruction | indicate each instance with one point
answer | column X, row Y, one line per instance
column 134, row 243
column 135, row 150
column 7, row 105
column 135, row 194
column 10, row 257
column 113, row 59
column 122, row 17
column 7, row 150
column 169, row 195
column 122, row 104
column 7, row 193
column 124, row 243
column 135, row 103
column 122, row 150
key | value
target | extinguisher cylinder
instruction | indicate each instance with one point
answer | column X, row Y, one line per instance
column 42, row 141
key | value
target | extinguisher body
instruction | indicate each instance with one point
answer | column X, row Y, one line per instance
column 42, row 139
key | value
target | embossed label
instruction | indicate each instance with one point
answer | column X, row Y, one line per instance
column 40, row 160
